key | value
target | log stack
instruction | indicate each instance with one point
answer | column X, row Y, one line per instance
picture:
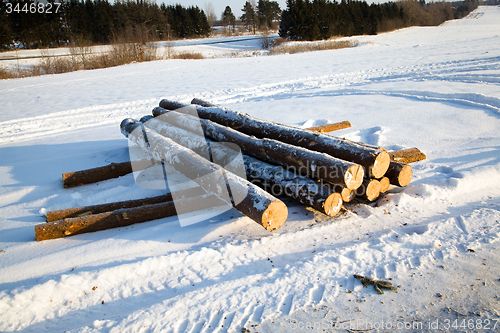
column 240, row 161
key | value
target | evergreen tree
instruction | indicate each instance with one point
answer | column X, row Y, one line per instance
column 249, row 17
column 228, row 17
column 267, row 12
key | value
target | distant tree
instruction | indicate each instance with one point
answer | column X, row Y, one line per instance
column 5, row 28
column 249, row 17
column 228, row 17
column 210, row 13
column 268, row 11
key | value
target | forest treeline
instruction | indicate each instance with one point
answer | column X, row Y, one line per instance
column 33, row 24
column 53, row 23
column 323, row 19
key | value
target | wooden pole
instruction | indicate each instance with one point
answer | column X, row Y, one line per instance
column 94, row 175
column 273, row 179
column 247, row 198
column 121, row 217
column 330, row 127
column 304, row 161
column 408, row 155
column 375, row 161
column 55, row 215
column 399, row 174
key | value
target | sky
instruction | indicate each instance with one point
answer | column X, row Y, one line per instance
column 219, row 5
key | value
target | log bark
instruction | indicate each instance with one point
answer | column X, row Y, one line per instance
column 404, row 152
column 203, row 103
column 94, row 175
column 411, row 158
column 375, row 161
column 120, row 218
column 247, row 198
column 55, row 215
column 273, row 179
column 369, row 190
column 279, row 181
column 399, row 174
column 303, row 161
column 330, row 127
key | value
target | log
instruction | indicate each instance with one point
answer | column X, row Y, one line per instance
column 404, row 152
column 313, row 164
column 273, row 179
column 279, row 181
column 55, row 215
column 409, row 158
column 385, row 184
column 375, row 161
column 121, row 217
column 399, row 174
column 369, row 190
column 247, row 198
column 330, row 127
column 203, row 103
column 94, row 175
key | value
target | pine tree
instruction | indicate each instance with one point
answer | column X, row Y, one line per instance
column 228, row 17
column 249, row 16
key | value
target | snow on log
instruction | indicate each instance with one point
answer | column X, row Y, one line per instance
column 94, row 175
column 273, row 179
column 330, row 127
column 120, row 218
column 369, row 190
column 55, row 215
column 303, row 161
column 399, row 174
column 375, row 161
column 247, row 198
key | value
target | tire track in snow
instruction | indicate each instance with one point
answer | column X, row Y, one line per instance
column 343, row 84
column 71, row 120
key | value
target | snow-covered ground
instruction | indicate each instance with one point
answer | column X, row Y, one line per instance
column 435, row 88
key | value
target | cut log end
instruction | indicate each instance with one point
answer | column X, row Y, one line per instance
column 381, row 165
column 405, row 175
column 353, row 177
column 370, row 190
column 385, row 183
column 274, row 216
column 347, row 194
column 400, row 174
column 333, row 204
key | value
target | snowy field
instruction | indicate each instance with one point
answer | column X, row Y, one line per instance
column 435, row 88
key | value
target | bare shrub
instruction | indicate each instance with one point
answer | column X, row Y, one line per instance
column 312, row 46
column 7, row 74
column 188, row 55
column 266, row 42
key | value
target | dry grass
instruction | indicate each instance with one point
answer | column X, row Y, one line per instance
column 282, row 47
column 187, row 55
column 81, row 58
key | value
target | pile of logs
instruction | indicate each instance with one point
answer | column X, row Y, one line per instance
column 240, row 161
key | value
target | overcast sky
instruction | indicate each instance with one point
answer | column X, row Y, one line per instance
column 218, row 5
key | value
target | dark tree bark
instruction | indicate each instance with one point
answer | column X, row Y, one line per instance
column 375, row 161
column 303, row 161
